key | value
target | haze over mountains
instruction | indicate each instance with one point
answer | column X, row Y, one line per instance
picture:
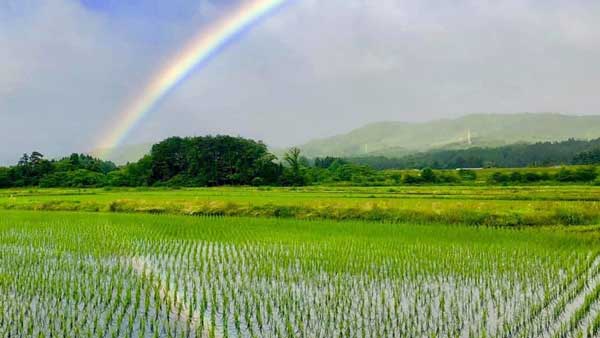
column 396, row 139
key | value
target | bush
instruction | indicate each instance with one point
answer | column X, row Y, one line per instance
column 468, row 175
column 428, row 176
column 586, row 174
column 448, row 178
column 411, row 179
column 258, row 181
column 499, row 178
column 396, row 177
column 516, row 176
column 564, row 175
column 533, row 177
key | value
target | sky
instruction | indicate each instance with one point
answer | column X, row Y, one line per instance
column 311, row 69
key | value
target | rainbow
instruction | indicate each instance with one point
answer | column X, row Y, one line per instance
column 206, row 44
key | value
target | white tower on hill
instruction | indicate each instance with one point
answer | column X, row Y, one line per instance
column 469, row 142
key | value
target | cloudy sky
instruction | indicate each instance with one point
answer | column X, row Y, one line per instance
column 313, row 68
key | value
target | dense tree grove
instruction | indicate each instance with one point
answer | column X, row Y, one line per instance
column 176, row 161
column 76, row 170
column 226, row 160
column 212, row 161
column 511, row 156
column 588, row 157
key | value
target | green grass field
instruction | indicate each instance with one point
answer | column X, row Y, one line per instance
column 495, row 206
column 326, row 262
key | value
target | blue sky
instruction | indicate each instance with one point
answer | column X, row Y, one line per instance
column 150, row 19
column 313, row 69
column 174, row 9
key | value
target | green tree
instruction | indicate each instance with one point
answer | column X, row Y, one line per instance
column 499, row 178
column 212, row 161
column 469, row 175
column 35, row 158
column 428, row 175
column 5, row 179
column 293, row 173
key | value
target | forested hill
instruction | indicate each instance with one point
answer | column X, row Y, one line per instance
column 396, row 139
column 511, row 156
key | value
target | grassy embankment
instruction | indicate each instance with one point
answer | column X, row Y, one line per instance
column 471, row 205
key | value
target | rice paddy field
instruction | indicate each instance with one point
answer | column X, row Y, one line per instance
column 177, row 263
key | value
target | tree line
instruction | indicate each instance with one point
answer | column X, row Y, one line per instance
column 190, row 162
column 76, row 170
column 176, row 161
column 225, row 160
column 579, row 152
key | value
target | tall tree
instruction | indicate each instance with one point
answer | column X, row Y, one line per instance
column 294, row 174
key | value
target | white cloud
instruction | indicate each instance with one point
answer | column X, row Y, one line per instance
column 313, row 69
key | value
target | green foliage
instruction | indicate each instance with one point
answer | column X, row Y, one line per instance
column 585, row 174
column 83, row 161
column 5, row 177
column 411, row 179
column 564, row 175
column 76, row 178
column 510, row 156
column 591, row 156
column 197, row 161
column 77, row 170
column 326, row 162
column 131, row 175
column 293, row 174
column 428, row 176
column 211, row 161
column 467, row 175
column 225, row 160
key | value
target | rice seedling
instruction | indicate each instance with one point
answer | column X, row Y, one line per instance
column 119, row 275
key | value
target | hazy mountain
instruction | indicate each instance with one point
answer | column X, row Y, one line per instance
column 396, row 139
column 400, row 138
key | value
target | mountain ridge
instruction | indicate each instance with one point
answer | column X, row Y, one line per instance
column 397, row 138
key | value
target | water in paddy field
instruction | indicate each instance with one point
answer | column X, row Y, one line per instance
column 56, row 279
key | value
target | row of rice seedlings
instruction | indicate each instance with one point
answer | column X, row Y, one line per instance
column 563, row 316
column 426, row 302
column 568, row 327
column 70, row 278
column 540, row 317
column 594, row 328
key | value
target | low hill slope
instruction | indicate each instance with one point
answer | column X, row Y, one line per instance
column 395, row 139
